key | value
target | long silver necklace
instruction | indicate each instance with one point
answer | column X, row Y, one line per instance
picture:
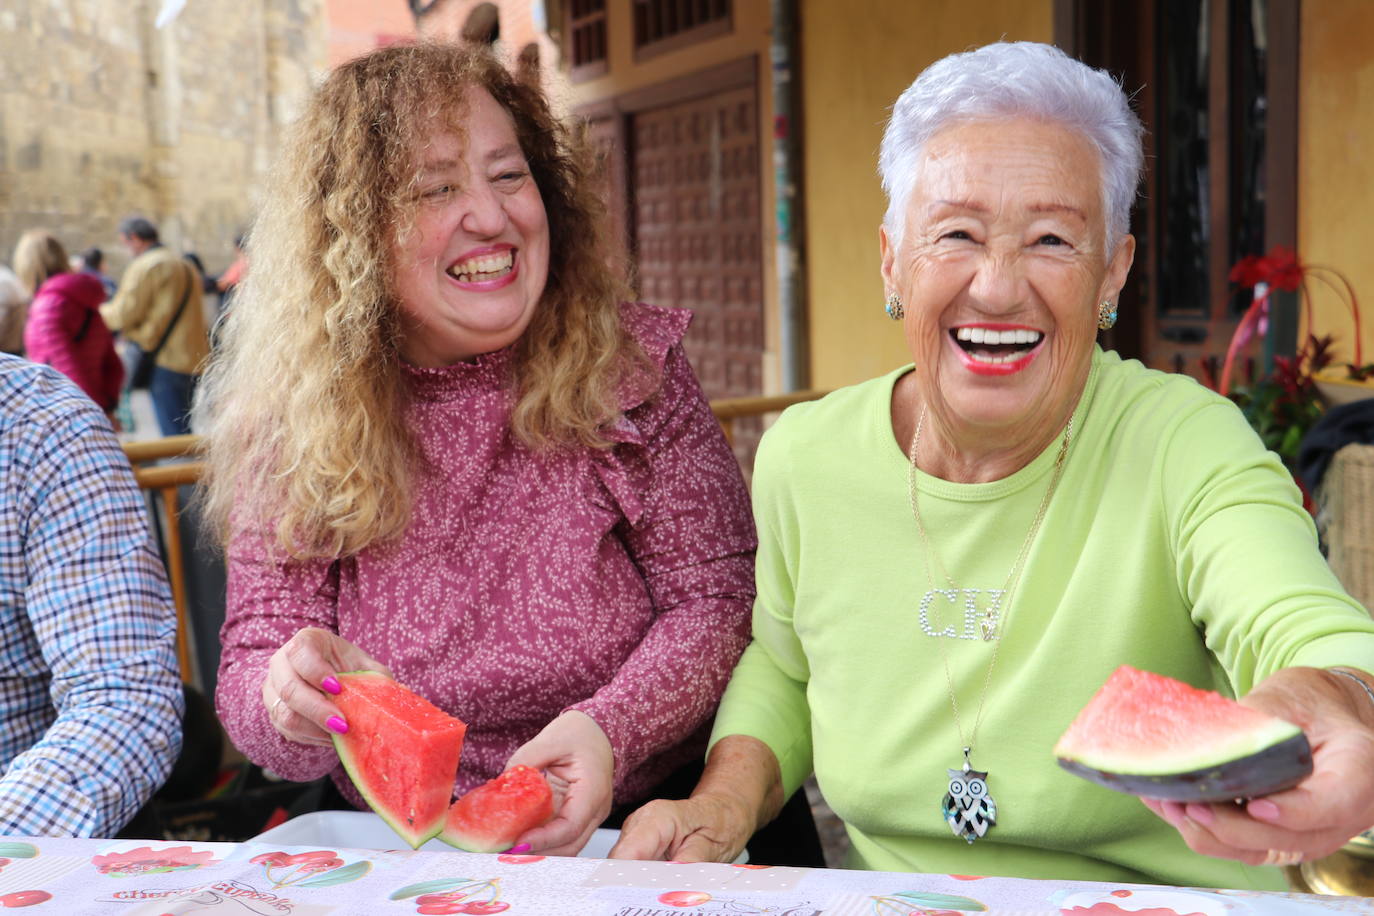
column 967, row 806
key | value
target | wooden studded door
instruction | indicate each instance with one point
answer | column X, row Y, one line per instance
column 695, row 186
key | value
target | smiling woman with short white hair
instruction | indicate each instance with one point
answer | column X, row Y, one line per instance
column 955, row 556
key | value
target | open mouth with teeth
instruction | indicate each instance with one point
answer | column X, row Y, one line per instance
column 994, row 347
column 484, row 268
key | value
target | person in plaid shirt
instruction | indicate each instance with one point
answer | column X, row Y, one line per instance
column 90, row 695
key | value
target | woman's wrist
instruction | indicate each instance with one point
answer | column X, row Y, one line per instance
column 1365, row 704
column 743, row 773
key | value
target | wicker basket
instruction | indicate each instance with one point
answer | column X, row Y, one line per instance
column 1347, row 519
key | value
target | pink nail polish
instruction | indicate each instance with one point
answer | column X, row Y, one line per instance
column 516, row 850
column 1201, row 814
column 1263, row 809
column 331, row 684
column 1173, row 812
column 337, row 725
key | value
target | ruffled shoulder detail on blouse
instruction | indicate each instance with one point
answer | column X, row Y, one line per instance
column 656, row 330
column 625, row 470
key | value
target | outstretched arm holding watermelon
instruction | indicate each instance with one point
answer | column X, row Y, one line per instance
column 1322, row 813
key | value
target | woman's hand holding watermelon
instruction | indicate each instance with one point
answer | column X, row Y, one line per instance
column 1319, row 815
column 577, row 760
column 298, row 677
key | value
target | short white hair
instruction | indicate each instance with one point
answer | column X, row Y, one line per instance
column 1012, row 80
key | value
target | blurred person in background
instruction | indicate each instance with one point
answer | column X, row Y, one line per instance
column 233, row 275
column 92, row 261
column 64, row 328
column 209, row 293
column 14, row 306
column 226, row 284
column 158, row 309
column 207, row 282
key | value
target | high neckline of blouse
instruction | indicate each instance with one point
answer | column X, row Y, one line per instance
column 485, row 372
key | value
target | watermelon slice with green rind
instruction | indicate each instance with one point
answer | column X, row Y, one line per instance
column 492, row 816
column 401, row 752
column 1156, row 737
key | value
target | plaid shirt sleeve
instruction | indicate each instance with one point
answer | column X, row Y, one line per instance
column 91, row 697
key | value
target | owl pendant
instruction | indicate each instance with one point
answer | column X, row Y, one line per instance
column 968, row 808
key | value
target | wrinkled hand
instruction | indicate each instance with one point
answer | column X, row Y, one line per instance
column 576, row 757
column 295, row 675
column 704, row 828
column 1316, row 817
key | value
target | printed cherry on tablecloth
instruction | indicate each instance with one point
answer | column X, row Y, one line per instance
column 24, row 898
column 145, row 860
column 314, row 868
column 924, row 903
column 447, row 896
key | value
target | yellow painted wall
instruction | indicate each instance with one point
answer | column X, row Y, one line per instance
column 855, row 64
column 1336, row 158
column 748, row 36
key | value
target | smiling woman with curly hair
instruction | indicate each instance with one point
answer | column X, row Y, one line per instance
column 443, row 444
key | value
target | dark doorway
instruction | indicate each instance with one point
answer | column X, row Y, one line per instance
column 1215, row 82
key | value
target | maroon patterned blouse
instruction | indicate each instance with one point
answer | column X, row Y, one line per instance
column 617, row 582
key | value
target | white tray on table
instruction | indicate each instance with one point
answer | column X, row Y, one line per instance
column 365, row 830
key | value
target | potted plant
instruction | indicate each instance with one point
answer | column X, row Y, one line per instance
column 1282, row 270
column 1283, row 405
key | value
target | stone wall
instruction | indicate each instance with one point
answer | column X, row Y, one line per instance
column 102, row 115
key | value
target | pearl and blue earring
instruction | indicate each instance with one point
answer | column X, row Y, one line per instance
column 1106, row 315
column 894, row 307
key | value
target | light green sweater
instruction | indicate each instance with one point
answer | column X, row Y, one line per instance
column 1175, row 543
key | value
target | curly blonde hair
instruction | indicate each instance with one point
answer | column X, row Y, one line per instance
column 304, row 404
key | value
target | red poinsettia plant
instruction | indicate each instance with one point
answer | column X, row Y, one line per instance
column 1283, row 405
column 1281, row 269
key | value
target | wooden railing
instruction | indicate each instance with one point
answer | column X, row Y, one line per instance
column 728, row 410
column 163, row 480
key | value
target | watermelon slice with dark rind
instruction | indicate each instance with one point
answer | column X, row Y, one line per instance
column 492, row 816
column 401, row 752
column 1156, row 737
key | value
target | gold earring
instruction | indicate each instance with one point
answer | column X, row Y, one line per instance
column 1106, row 315
column 894, row 307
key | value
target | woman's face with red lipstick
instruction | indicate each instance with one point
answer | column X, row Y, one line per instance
column 470, row 273
column 1000, row 269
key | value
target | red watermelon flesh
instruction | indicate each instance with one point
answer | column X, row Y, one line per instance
column 492, row 816
column 1151, row 735
column 401, row 751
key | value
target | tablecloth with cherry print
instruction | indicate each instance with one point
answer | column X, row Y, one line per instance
column 152, row 878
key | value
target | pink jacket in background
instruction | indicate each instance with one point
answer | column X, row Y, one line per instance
column 65, row 330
